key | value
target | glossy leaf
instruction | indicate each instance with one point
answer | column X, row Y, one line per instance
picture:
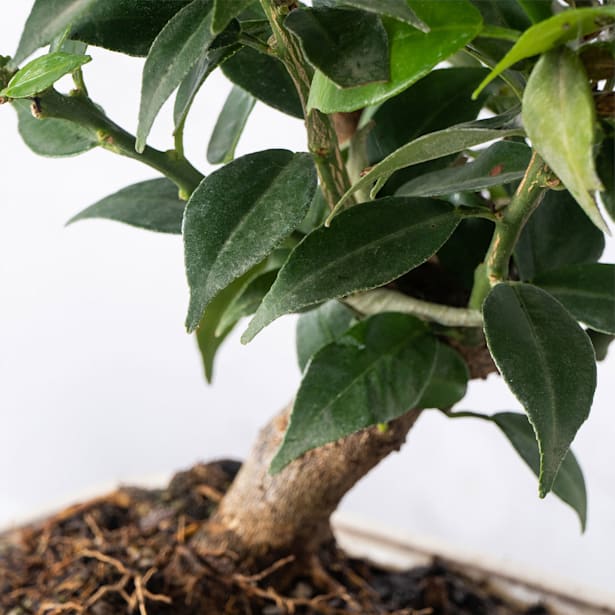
column 367, row 246
column 412, row 54
column 586, row 291
column 350, row 47
column 51, row 137
column 502, row 163
column 569, row 484
column 230, row 125
column 173, row 53
column 537, row 10
column 547, row 361
column 375, row 373
column 127, row 26
column 265, row 78
column 541, row 37
column 153, row 205
column 221, row 50
column 445, row 92
column 225, row 11
column 238, row 215
column 431, row 146
column 606, row 170
column 557, row 234
column 503, row 13
column 41, row 73
column 396, row 9
column 47, row 19
column 448, row 382
column 319, row 327
column 561, row 128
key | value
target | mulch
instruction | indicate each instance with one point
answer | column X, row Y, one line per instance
column 129, row 552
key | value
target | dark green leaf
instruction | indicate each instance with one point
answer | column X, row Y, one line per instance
column 265, row 78
column 238, row 215
column 586, row 291
column 153, row 205
column 367, row 246
column 448, row 382
column 547, row 361
column 557, row 234
column 606, row 170
column 569, row 484
column 319, row 327
column 49, row 137
column 412, row 54
column 444, row 92
column 537, row 10
column 42, row 73
column 316, row 215
column 225, row 11
column 373, row 374
column 561, row 128
column 601, row 343
column 349, row 47
column 47, row 19
column 503, row 13
column 174, row 52
column 230, row 125
column 434, row 145
column 397, row 9
column 127, row 26
column 501, row 163
column 221, row 50
column 543, row 36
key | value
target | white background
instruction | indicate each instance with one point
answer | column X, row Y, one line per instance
column 99, row 382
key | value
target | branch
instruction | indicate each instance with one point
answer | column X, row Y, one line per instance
column 82, row 111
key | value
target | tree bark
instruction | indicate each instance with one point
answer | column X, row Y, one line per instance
column 263, row 517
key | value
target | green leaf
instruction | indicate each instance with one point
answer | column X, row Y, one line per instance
column 543, row 36
column 431, row 146
column 224, row 47
column 569, row 484
column 208, row 336
column 375, row 373
column 349, row 47
column 238, row 215
column 537, row 10
column 367, row 246
column 503, row 13
column 47, row 19
column 153, row 205
column 127, row 26
column 501, row 163
column 230, row 125
column 547, row 361
column 265, row 78
column 396, row 9
column 600, row 342
column 225, row 11
column 586, row 291
column 557, row 234
column 448, row 382
column 412, row 54
column 561, row 128
column 444, row 92
column 319, row 327
column 41, row 73
column 173, row 53
column 50, row 137
column 606, row 170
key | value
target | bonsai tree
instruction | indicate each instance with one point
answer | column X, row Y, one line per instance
column 445, row 223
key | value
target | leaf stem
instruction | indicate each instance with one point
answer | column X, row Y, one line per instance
column 322, row 139
column 81, row 110
column 512, row 219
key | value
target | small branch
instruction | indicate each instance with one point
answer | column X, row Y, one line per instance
column 82, row 111
column 383, row 300
column 528, row 196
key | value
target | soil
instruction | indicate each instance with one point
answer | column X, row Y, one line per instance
column 130, row 552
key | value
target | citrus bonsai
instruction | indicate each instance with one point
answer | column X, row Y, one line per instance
column 445, row 222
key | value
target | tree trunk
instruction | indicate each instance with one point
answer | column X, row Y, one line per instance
column 263, row 517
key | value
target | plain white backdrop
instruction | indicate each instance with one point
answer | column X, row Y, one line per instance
column 99, row 383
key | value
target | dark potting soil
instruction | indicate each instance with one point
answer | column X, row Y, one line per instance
column 130, row 552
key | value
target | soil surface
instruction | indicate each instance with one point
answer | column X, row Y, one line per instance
column 130, row 552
